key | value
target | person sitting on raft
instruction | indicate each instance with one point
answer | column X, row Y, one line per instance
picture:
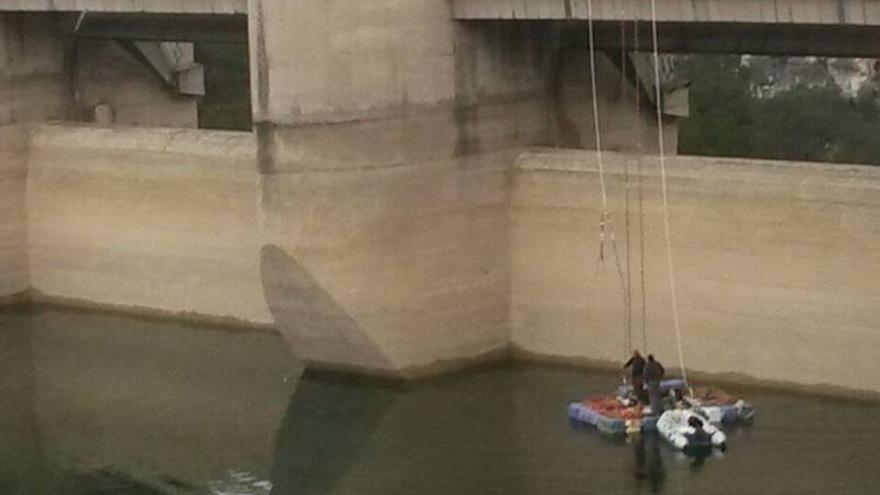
column 637, row 363
column 654, row 372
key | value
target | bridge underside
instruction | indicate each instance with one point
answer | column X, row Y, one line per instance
column 755, row 39
column 826, row 12
column 166, row 27
column 846, row 28
column 128, row 6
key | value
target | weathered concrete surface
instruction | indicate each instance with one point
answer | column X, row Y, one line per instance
column 311, row 319
column 856, row 12
column 777, row 265
column 129, row 6
column 370, row 216
column 627, row 120
column 13, row 218
column 32, row 88
column 384, row 136
column 107, row 74
column 415, row 256
column 46, row 75
column 159, row 219
column 762, row 27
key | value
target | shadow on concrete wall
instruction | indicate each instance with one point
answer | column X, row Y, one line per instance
column 318, row 329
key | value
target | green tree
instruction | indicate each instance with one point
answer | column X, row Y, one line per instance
column 799, row 124
column 816, row 123
column 721, row 120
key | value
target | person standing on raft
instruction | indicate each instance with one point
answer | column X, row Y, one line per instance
column 653, row 374
column 637, row 362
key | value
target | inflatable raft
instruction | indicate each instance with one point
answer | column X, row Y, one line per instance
column 612, row 415
column 718, row 406
column 621, row 414
column 688, row 429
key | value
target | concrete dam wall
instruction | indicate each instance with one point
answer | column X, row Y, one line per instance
column 163, row 219
column 777, row 264
column 13, row 216
column 32, row 89
column 402, row 261
column 387, row 216
column 385, row 176
column 776, row 261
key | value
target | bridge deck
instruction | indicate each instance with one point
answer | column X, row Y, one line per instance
column 226, row 7
column 821, row 12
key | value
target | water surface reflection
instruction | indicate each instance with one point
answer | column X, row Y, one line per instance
column 504, row 430
column 112, row 405
column 107, row 404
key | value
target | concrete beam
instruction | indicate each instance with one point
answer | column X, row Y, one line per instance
column 825, row 12
column 173, row 62
column 756, row 39
column 842, row 28
column 222, row 7
column 154, row 27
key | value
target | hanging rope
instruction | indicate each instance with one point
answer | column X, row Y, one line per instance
column 644, row 299
column 599, row 163
column 628, row 257
column 668, row 236
column 626, row 180
column 606, row 231
column 642, row 259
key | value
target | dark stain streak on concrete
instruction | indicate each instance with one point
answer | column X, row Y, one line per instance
column 567, row 131
column 466, row 116
column 264, row 130
column 70, row 64
column 266, row 147
column 466, row 111
column 262, row 63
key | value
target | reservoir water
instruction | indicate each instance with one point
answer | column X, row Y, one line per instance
column 103, row 404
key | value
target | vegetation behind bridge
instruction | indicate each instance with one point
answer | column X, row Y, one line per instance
column 730, row 115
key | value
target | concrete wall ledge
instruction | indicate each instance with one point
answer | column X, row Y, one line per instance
column 229, row 145
column 800, row 180
column 740, row 383
column 38, row 301
column 128, row 6
column 683, row 166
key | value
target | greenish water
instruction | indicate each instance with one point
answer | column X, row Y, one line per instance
column 112, row 405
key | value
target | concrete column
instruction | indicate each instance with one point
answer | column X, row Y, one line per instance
column 384, row 136
column 32, row 88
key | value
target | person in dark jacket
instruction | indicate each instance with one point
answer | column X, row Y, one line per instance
column 653, row 374
column 637, row 365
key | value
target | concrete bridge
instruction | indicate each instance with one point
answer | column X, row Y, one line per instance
column 225, row 7
column 405, row 204
column 142, row 20
column 846, row 28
